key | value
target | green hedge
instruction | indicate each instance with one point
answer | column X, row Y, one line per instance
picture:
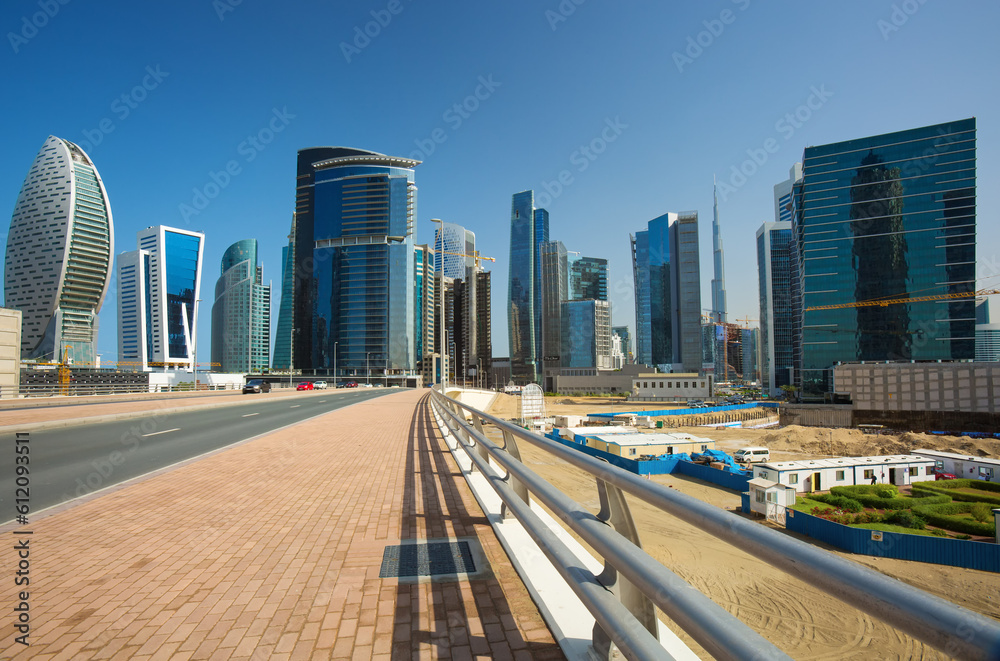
column 948, row 488
column 942, row 516
column 865, row 494
column 841, row 502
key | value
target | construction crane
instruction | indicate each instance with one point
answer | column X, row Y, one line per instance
column 884, row 302
column 746, row 321
column 475, row 255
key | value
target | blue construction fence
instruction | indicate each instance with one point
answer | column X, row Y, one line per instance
column 983, row 556
column 697, row 411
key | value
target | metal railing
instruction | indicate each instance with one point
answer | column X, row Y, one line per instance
column 955, row 630
column 88, row 389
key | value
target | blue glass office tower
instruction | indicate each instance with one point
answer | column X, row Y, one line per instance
column 281, row 358
column 241, row 315
column 159, row 286
column 588, row 279
column 522, row 311
column 553, row 283
column 890, row 217
column 354, row 261
column 774, row 245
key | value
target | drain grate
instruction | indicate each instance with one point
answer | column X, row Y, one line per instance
column 427, row 559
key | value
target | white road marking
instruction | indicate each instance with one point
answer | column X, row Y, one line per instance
column 296, row 406
column 165, row 431
column 250, row 414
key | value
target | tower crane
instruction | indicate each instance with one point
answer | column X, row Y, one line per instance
column 884, row 302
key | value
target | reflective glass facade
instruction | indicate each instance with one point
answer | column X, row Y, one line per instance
column 181, row 256
column 354, row 262
column 886, row 217
column 521, row 310
column 588, row 279
column 554, row 292
column 241, row 315
column 774, row 245
column 586, row 340
column 282, row 356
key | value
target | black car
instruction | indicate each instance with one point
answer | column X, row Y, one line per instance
column 256, row 385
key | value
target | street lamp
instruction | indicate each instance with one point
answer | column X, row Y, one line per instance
column 194, row 359
column 368, row 373
column 335, row 364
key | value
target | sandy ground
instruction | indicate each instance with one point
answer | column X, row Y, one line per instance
column 801, row 620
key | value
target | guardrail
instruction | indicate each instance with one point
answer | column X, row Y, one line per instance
column 623, row 607
column 89, row 389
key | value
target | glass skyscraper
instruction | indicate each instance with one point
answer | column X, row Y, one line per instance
column 521, row 283
column 774, row 244
column 241, row 315
column 888, row 218
column 665, row 265
column 554, row 292
column 588, row 279
column 281, row 358
column 586, row 338
column 158, row 291
column 59, row 254
column 354, row 261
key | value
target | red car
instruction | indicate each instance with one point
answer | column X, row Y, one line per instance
column 350, row 384
column 941, row 475
column 305, row 385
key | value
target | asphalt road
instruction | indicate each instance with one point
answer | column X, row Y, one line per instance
column 69, row 462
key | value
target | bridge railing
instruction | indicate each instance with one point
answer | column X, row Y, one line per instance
column 622, row 596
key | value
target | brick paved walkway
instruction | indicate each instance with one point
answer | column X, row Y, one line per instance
column 272, row 550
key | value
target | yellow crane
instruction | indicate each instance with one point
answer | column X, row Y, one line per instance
column 475, row 255
column 884, row 302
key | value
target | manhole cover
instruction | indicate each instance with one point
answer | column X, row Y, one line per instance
column 432, row 559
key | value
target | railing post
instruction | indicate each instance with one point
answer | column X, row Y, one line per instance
column 510, row 447
column 615, row 512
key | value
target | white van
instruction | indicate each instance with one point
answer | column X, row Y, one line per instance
column 752, row 455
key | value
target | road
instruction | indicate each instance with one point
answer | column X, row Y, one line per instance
column 69, row 462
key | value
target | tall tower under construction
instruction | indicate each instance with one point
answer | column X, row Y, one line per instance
column 719, row 275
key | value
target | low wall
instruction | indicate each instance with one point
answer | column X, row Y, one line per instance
column 724, row 479
column 817, row 415
column 925, row 421
column 699, row 411
column 984, row 556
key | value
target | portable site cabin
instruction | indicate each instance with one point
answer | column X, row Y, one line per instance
column 632, row 444
column 812, row 475
column 963, row 465
column 766, row 496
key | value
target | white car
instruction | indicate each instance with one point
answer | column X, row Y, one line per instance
column 319, row 385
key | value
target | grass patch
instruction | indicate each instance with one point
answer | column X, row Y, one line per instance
column 804, row 504
column 888, row 527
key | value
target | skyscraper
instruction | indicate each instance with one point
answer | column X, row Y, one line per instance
column 554, row 292
column 586, row 338
column 774, row 244
column 783, row 195
column 158, row 292
column 719, row 279
column 626, row 340
column 282, row 356
column 424, row 307
column 588, row 279
column 889, row 217
column 484, row 320
column 59, row 254
column 521, row 309
column 241, row 315
column 354, row 269
column 454, row 250
column 665, row 265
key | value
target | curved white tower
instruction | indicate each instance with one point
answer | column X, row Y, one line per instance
column 59, row 254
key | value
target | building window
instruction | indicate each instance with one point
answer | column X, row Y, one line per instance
column 793, row 478
column 685, row 384
column 840, row 476
column 704, row 447
column 869, row 473
column 631, row 450
column 702, row 385
column 914, row 471
column 763, row 475
column 760, row 496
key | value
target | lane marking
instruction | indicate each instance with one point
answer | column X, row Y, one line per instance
column 296, row 406
column 165, row 431
column 250, row 414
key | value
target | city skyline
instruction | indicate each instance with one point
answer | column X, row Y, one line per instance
column 591, row 143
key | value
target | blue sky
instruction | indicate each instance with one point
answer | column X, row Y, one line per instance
column 617, row 111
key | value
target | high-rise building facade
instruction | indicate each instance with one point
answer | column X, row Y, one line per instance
column 889, row 217
column 484, row 333
column 665, row 265
column 588, row 279
column 626, row 342
column 355, row 233
column 241, row 315
column 774, row 245
column 281, row 358
column 586, row 339
column 59, row 254
column 783, row 195
column 454, row 250
column 521, row 310
column 158, row 294
column 719, row 273
column 554, row 291
column 424, row 306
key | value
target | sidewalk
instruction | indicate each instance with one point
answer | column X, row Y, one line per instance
column 272, row 550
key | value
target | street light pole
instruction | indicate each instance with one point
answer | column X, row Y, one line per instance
column 444, row 375
column 368, row 374
column 335, row 364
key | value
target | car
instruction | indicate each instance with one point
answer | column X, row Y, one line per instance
column 941, row 475
column 256, row 385
column 319, row 385
column 305, row 385
column 350, row 384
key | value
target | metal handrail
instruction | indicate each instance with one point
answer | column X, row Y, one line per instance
column 718, row 631
column 955, row 630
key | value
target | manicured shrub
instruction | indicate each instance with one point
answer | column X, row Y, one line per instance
column 840, row 502
column 937, row 532
column 949, row 488
column 866, row 494
column 886, row 490
column 944, row 516
column 981, row 512
column 905, row 518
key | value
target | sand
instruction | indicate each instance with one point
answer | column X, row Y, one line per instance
column 803, row 621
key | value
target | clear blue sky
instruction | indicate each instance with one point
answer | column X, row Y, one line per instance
column 555, row 81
